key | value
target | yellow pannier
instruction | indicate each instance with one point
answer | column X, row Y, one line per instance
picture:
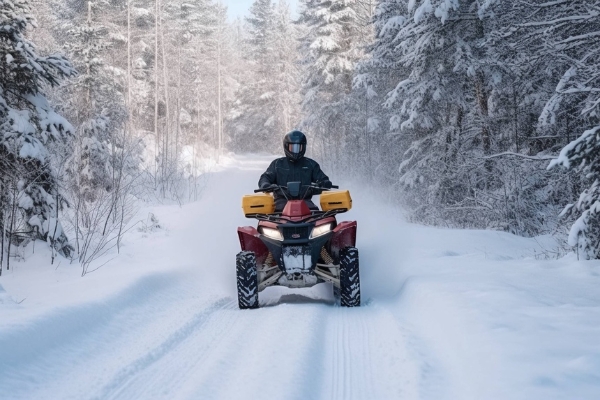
column 258, row 204
column 336, row 200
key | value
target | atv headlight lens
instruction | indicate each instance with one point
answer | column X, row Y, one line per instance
column 320, row 231
column 272, row 233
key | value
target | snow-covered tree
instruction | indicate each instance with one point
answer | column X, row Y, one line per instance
column 287, row 71
column 98, row 104
column 430, row 47
column 332, row 45
column 30, row 197
column 568, row 33
column 256, row 112
column 583, row 154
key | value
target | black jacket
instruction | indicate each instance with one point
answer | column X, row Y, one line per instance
column 281, row 171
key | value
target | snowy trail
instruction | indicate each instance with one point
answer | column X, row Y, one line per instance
column 446, row 315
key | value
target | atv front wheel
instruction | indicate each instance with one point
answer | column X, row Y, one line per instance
column 349, row 277
column 247, row 280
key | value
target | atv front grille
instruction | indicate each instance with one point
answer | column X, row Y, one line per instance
column 293, row 233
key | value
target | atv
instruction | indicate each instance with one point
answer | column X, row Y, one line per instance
column 297, row 247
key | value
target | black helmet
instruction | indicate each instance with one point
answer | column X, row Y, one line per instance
column 294, row 145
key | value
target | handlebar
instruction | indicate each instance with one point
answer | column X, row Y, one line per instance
column 311, row 186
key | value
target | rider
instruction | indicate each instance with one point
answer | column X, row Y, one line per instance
column 294, row 167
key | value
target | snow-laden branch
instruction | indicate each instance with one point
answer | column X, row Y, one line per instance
column 511, row 154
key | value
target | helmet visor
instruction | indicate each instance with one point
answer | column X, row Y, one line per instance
column 295, row 148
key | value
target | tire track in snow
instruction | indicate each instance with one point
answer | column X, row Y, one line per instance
column 23, row 345
column 38, row 356
column 367, row 389
column 368, row 356
column 269, row 353
column 336, row 360
column 170, row 376
column 350, row 370
column 135, row 368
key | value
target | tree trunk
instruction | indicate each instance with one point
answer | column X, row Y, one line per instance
column 459, row 125
column 482, row 100
column 156, row 138
column 129, row 56
column 89, row 22
column 53, row 239
column 12, row 224
column 166, row 89
column 178, row 115
column 368, row 135
column 219, row 102
column 219, row 111
column 516, row 119
column 3, row 231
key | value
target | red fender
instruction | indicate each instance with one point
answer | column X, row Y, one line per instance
column 250, row 241
column 296, row 209
column 344, row 235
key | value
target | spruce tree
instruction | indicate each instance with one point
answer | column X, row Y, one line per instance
column 572, row 48
column 257, row 120
column 332, row 44
column 30, row 197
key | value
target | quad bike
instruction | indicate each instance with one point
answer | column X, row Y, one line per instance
column 298, row 247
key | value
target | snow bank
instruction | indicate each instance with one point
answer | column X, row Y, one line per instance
column 6, row 302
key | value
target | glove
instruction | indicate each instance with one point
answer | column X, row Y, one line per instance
column 269, row 186
column 326, row 184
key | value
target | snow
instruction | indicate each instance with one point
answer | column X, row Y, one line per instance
column 422, row 11
column 326, row 44
column 392, row 24
column 25, row 202
column 447, row 314
column 444, row 8
column 563, row 158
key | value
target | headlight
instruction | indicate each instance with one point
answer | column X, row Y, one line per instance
column 320, row 231
column 271, row 233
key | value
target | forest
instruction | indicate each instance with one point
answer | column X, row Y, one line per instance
column 479, row 114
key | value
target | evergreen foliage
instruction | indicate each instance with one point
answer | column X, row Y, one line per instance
column 29, row 126
column 571, row 48
column 460, row 98
column 266, row 102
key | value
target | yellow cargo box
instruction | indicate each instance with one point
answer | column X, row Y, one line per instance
column 258, row 204
column 336, row 200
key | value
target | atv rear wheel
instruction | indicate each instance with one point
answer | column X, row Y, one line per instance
column 349, row 277
column 247, row 280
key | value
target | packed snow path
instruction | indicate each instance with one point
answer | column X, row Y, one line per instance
column 446, row 315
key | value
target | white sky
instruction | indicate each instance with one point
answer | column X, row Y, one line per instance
column 237, row 8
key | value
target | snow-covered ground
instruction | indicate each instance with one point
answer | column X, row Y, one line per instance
column 446, row 314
